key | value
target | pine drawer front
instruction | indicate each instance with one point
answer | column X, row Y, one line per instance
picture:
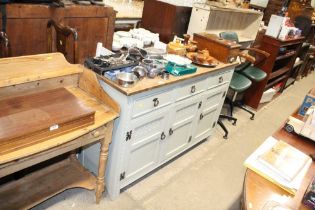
column 219, row 79
column 190, row 89
column 150, row 103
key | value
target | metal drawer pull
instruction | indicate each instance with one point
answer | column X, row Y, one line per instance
column 201, row 116
column 156, row 102
column 163, row 136
column 193, row 89
column 171, row 131
column 220, row 79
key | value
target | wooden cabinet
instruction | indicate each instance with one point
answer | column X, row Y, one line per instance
column 277, row 66
column 27, row 23
column 159, row 123
column 165, row 18
column 213, row 20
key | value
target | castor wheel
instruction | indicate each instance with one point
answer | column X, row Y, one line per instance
column 252, row 117
column 234, row 123
column 225, row 136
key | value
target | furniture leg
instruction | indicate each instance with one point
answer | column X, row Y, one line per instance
column 226, row 133
column 100, row 180
column 247, row 110
column 229, row 118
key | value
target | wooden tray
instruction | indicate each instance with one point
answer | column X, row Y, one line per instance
column 35, row 117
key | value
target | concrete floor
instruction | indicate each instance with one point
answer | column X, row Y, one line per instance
column 208, row 177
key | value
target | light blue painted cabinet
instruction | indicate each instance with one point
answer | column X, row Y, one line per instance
column 158, row 124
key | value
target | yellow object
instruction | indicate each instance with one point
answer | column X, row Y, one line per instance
column 176, row 47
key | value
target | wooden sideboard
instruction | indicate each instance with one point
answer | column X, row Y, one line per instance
column 278, row 66
column 25, row 75
column 258, row 191
column 160, row 119
column 27, row 23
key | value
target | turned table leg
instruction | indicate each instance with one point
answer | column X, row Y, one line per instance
column 100, row 181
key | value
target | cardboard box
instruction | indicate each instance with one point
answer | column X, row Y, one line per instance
column 309, row 100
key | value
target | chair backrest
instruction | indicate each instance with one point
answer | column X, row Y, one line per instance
column 232, row 36
column 63, row 35
column 4, row 45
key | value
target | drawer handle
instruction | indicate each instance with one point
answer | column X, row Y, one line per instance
column 220, row 79
column 201, row 116
column 171, row 131
column 96, row 134
column 156, row 102
column 193, row 89
column 163, row 136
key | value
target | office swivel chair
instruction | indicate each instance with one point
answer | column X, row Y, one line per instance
column 242, row 78
column 63, row 34
column 248, row 68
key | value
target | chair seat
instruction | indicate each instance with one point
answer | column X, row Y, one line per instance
column 254, row 73
column 239, row 83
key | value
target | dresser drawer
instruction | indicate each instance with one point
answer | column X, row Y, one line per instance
column 152, row 102
column 218, row 79
column 190, row 89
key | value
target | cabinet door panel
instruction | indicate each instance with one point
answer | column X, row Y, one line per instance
column 181, row 128
column 27, row 36
column 144, row 146
column 210, row 107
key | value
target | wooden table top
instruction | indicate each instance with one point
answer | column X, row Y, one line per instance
column 148, row 84
column 259, row 191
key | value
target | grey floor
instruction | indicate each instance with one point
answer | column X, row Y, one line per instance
column 208, row 177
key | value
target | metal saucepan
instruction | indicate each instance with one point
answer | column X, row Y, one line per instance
column 139, row 71
column 126, row 79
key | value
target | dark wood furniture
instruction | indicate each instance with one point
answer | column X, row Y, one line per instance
column 33, row 75
column 277, row 66
column 60, row 43
column 257, row 191
column 166, row 19
column 27, row 23
column 223, row 50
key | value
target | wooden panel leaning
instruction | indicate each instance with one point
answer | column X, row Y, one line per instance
column 37, row 75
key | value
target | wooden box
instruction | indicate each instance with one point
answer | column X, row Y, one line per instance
column 223, row 50
column 167, row 19
column 43, row 115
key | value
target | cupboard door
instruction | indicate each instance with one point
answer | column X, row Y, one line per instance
column 143, row 146
column 211, row 106
column 180, row 131
column 27, row 36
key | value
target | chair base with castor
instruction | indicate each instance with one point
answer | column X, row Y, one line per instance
column 226, row 132
column 239, row 84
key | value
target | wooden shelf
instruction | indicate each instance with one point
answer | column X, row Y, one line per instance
column 281, row 57
column 269, row 85
column 45, row 183
column 278, row 72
